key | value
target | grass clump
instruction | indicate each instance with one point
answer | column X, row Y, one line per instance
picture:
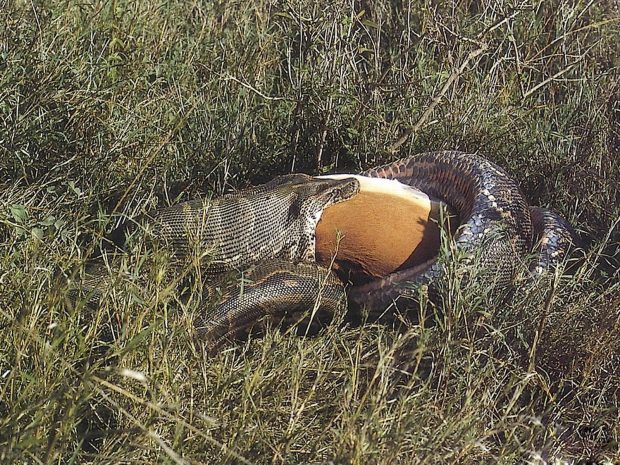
column 111, row 107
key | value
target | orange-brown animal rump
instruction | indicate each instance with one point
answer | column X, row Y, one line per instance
column 386, row 227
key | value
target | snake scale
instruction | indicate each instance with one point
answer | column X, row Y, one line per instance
column 267, row 234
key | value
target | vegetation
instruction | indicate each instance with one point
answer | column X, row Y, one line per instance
column 117, row 106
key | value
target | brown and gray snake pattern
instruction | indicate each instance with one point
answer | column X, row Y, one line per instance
column 265, row 235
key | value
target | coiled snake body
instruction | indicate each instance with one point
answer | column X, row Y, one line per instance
column 269, row 230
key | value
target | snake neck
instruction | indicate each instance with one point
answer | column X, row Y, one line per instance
column 275, row 220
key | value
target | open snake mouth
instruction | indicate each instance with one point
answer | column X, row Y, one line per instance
column 387, row 226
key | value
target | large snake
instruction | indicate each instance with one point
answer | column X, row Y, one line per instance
column 267, row 233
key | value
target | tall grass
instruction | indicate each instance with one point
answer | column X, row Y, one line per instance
column 117, row 106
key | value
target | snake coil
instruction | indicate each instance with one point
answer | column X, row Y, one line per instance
column 267, row 232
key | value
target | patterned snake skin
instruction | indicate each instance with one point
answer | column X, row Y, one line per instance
column 267, row 233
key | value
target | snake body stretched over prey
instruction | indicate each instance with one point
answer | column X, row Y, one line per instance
column 270, row 231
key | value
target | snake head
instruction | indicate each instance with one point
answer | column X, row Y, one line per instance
column 333, row 191
column 310, row 195
column 320, row 193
